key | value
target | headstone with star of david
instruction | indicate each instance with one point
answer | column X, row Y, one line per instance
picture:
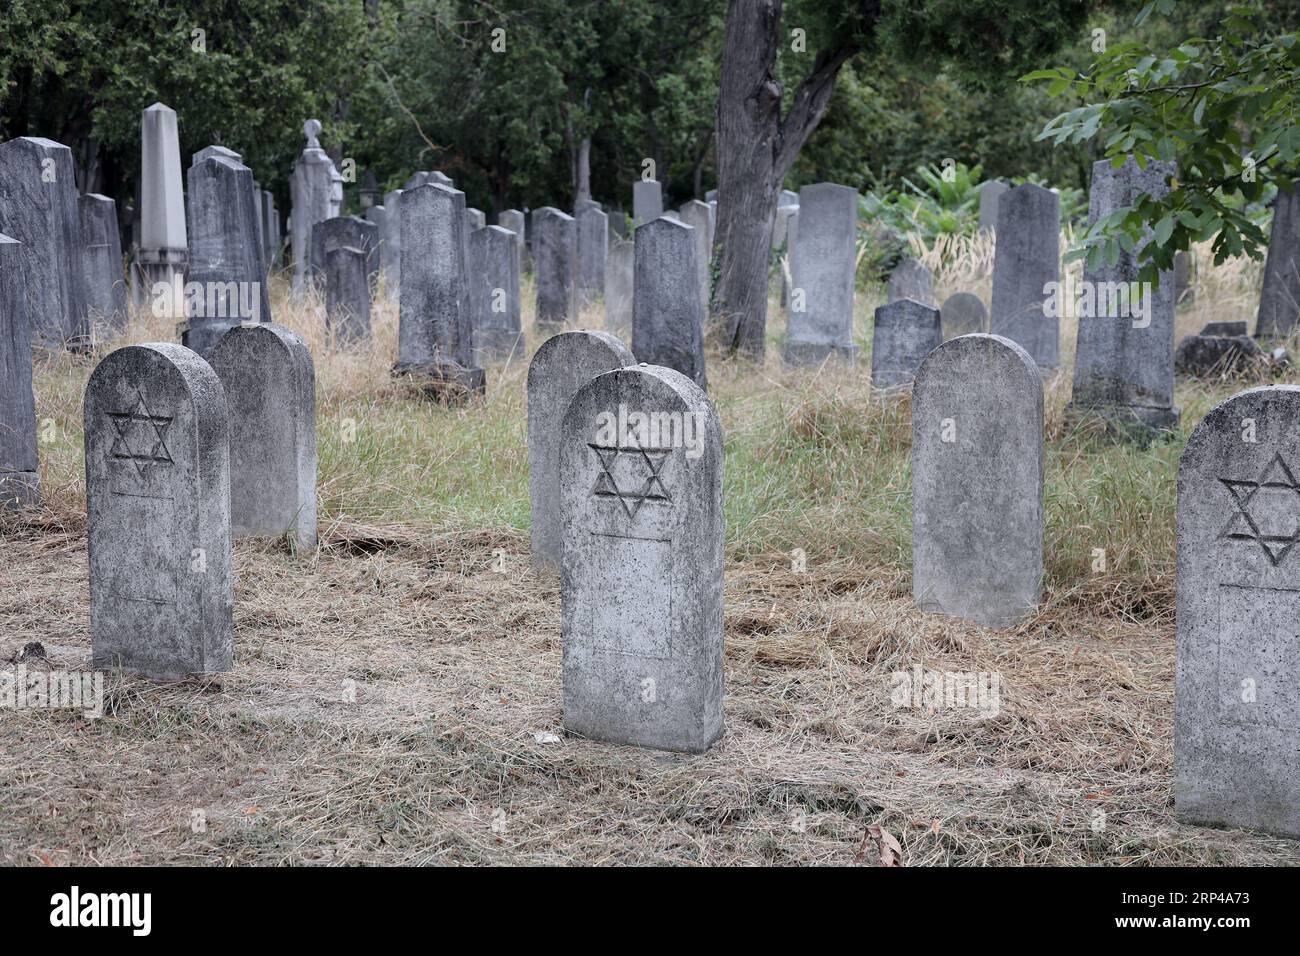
column 666, row 310
column 977, row 481
column 20, row 480
column 1237, row 679
column 270, row 385
column 642, row 561
column 562, row 365
column 158, row 513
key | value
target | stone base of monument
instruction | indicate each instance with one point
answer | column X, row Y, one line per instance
column 1209, row 354
column 815, row 353
column 20, row 490
column 446, row 382
column 1136, row 423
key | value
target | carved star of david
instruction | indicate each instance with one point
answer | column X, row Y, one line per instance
column 1245, row 525
column 141, row 437
column 653, row 488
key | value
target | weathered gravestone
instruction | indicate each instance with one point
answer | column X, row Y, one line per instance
column 911, row 279
column 20, row 482
column 1027, row 261
column 1184, row 293
column 270, row 386
column 962, row 314
column 494, row 271
column 647, row 201
column 474, row 219
column 164, row 246
column 513, row 220
column 666, row 312
column 1236, row 694
column 977, row 481
column 390, row 236
column 435, row 325
column 990, row 192
column 905, row 333
column 641, row 586
column 222, row 151
column 227, row 278
column 620, row 269
column 102, row 269
column 555, row 250
column 592, row 229
column 350, row 231
column 1279, row 298
column 38, row 208
column 312, row 187
column 271, row 231
column 699, row 217
column 563, row 364
column 378, row 215
column 1124, row 356
column 781, row 236
column 821, row 276
column 347, row 294
column 158, row 510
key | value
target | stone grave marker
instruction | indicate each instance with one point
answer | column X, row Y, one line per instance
column 821, row 276
column 20, row 480
column 1026, row 262
column 905, row 333
column 666, row 312
column 963, row 313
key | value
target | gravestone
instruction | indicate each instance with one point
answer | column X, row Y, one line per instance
column 821, row 276
column 977, row 481
column 38, row 208
column 350, row 231
column 666, row 312
column 369, row 192
column 270, row 386
column 474, row 219
column 312, row 189
column 555, row 250
column 378, row 215
column 260, row 219
column 791, row 238
column 911, row 279
column 158, row 513
column 905, row 333
column 435, row 325
column 390, row 244
column 641, row 589
column 1184, row 294
column 347, row 294
column 102, row 269
column 699, row 217
column 619, row 272
column 647, row 201
column 1124, row 353
column 223, row 151
column 227, row 278
column 20, row 482
column 494, row 269
column 271, row 231
column 962, row 314
column 1236, row 697
column 781, row 228
column 990, row 192
column 513, row 220
column 163, row 244
column 1026, row 262
column 1232, row 327
column 592, row 229
column 563, row 364
column 1279, row 298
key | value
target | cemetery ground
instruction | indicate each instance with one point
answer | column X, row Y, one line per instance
column 396, row 694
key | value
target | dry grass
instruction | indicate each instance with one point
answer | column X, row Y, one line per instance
column 388, row 687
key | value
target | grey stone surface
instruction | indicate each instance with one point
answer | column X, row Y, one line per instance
column 781, row 227
column 312, row 187
column 699, row 217
column 642, row 560
column 227, row 278
column 270, row 386
column 223, row 151
column 821, row 276
column 1279, row 299
column 647, row 201
column 911, row 279
column 163, row 243
column 347, row 294
column 103, row 270
column 1218, row 354
column 1225, row 328
column 787, row 198
column 563, row 364
column 494, row 270
column 513, row 220
column 390, row 249
column 619, row 272
column 1236, row 697
column 1026, row 260
column 905, row 333
column 378, row 215
column 1184, row 293
column 592, row 229
column 474, row 219
column 555, row 251
column 1124, row 362
column 158, row 513
column 271, row 234
column 962, row 314
column 20, row 483
column 350, row 231
column 791, row 238
column 977, row 481
column 666, row 312
column 38, row 208
column 990, row 192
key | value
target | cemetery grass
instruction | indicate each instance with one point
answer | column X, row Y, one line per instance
column 394, row 691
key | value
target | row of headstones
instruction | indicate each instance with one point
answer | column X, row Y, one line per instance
column 625, row 477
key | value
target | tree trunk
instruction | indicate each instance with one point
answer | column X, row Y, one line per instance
column 582, row 188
